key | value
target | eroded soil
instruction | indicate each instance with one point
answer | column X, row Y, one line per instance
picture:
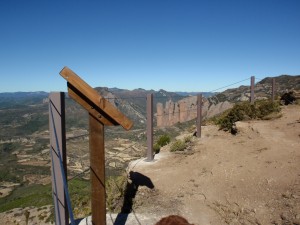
column 250, row 178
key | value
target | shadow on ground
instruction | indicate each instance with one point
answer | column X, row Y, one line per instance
column 135, row 180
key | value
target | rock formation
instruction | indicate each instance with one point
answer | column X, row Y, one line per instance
column 186, row 110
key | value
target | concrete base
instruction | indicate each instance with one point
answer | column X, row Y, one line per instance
column 123, row 219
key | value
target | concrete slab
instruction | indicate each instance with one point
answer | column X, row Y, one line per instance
column 123, row 219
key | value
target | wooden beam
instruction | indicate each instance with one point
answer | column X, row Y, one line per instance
column 87, row 106
column 107, row 109
column 97, row 167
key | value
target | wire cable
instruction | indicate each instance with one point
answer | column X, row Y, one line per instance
column 229, row 85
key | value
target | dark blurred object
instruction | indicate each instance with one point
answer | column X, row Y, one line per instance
column 288, row 98
column 173, row 220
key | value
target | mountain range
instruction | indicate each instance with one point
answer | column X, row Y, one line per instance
column 23, row 113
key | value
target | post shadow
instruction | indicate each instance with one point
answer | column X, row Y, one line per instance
column 137, row 179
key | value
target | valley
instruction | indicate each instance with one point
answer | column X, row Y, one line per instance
column 25, row 160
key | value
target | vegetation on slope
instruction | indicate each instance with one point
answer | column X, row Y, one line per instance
column 162, row 141
column 36, row 195
column 29, row 195
column 246, row 111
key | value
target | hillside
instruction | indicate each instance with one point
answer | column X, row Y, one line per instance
column 262, row 89
column 24, row 121
column 20, row 99
column 24, row 146
column 250, row 178
column 23, row 113
column 285, row 82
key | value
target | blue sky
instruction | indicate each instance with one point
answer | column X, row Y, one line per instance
column 176, row 45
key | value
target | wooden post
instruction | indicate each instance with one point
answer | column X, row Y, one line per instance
column 150, row 155
column 97, row 167
column 252, row 90
column 101, row 112
column 199, row 114
column 273, row 89
column 58, row 152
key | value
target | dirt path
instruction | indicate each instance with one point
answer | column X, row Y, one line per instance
column 250, row 178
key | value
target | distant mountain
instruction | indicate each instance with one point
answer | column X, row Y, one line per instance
column 22, row 95
column 262, row 89
column 23, row 113
column 283, row 82
column 15, row 99
column 204, row 94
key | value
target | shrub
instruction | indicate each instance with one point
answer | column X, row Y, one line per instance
column 156, row 148
column 163, row 140
column 265, row 108
column 188, row 139
column 246, row 111
column 178, row 145
column 115, row 187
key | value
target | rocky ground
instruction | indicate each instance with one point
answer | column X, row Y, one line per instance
column 26, row 216
column 250, row 178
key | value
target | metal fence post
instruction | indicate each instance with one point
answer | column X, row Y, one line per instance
column 252, row 90
column 58, row 155
column 273, row 89
column 199, row 114
column 150, row 155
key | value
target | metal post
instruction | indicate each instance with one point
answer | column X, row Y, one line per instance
column 273, row 89
column 58, row 155
column 150, row 155
column 199, row 114
column 97, row 167
column 252, row 90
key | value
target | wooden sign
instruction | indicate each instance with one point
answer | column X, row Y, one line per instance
column 101, row 112
column 94, row 103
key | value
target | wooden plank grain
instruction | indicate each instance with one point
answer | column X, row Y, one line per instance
column 108, row 109
column 87, row 107
column 97, row 167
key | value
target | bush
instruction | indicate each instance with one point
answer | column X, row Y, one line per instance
column 163, row 140
column 265, row 108
column 115, row 188
column 188, row 139
column 178, row 145
column 156, row 148
column 246, row 111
